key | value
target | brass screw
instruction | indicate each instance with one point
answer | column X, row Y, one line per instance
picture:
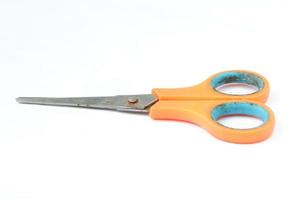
column 133, row 100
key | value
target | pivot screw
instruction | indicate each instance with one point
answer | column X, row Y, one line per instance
column 133, row 100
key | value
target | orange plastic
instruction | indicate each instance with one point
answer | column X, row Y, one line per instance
column 204, row 91
column 195, row 104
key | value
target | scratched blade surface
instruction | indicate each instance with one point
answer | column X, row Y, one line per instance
column 120, row 102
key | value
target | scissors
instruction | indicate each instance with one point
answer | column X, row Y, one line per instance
column 201, row 104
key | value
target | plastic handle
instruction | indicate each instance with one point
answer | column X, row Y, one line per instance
column 203, row 105
column 207, row 89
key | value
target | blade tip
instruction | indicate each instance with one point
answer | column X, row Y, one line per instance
column 20, row 99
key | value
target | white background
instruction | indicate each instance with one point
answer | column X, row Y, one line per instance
column 92, row 48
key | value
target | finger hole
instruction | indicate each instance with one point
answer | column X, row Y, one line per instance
column 240, row 121
column 240, row 115
column 237, row 83
column 237, row 88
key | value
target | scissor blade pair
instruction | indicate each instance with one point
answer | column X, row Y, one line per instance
column 129, row 103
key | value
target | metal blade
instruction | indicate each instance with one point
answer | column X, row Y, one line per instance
column 129, row 103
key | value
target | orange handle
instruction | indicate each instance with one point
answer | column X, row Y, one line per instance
column 206, row 90
column 203, row 105
column 201, row 113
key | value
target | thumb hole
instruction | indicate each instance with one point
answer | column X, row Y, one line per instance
column 240, row 121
